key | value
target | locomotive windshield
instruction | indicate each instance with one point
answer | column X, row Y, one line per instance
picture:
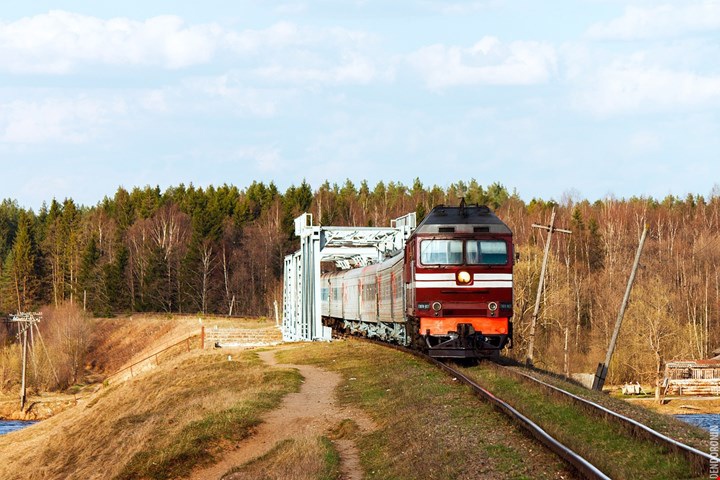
column 441, row 252
column 450, row 252
column 486, row 252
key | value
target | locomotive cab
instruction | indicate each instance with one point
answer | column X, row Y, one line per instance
column 459, row 264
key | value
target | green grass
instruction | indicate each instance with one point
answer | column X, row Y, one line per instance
column 331, row 460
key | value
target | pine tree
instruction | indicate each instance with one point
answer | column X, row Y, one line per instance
column 22, row 267
column 89, row 275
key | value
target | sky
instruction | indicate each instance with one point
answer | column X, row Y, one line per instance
column 579, row 98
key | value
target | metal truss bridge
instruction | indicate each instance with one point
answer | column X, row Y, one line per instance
column 347, row 247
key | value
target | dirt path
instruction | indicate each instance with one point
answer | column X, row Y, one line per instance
column 309, row 413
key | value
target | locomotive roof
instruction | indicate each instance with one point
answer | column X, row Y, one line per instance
column 462, row 219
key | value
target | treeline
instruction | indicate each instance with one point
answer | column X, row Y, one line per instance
column 220, row 250
column 187, row 249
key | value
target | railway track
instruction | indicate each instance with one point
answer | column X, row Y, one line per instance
column 699, row 460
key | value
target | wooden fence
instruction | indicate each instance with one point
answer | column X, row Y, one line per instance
column 691, row 378
column 154, row 358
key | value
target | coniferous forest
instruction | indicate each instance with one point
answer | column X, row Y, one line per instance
column 207, row 250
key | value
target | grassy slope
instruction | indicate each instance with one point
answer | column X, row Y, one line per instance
column 158, row 425
column 119, row 340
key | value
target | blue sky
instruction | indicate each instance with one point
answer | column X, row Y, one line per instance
column 586, row 97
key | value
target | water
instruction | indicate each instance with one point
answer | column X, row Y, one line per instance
column 702, row 420
column 7, row 426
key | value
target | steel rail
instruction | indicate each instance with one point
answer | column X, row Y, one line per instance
column 697, row 458
column 584, row 467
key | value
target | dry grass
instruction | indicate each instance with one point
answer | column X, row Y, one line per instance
column 118, row 341
column 298, row 459
column 101, row 346
column 157, row 425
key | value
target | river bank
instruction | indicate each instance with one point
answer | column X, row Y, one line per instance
column 38, row 407
column 680, row 405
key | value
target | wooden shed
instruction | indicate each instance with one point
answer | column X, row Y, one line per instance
column 695, row 377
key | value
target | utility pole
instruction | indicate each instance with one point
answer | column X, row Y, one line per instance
column 602, row 369
column 25, row 321
column 23, row 391
column 533, row 323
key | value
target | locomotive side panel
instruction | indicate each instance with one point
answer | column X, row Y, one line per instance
column 325, row 297
column 336, row 297
column 398, row 294
column 384, row 297
column 351, row 296
column 390, row 291
column 368, row 302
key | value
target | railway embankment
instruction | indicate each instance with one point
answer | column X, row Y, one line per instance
column 196, row 408
column 199, row 408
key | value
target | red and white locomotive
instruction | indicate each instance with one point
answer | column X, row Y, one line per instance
column 449, row 292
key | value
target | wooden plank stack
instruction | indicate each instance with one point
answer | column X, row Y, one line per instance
column 692, row 378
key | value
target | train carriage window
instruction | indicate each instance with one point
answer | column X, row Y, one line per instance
column 486, row 252
column 441, row 252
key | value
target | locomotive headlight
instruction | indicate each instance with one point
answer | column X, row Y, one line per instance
column 463, row 277
column 492, row 306
column 436, row 306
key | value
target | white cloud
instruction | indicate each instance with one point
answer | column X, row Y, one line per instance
column 488, row 62
column 659, row 21
column 352, row 69
column 154, row 101
column 291, row 8
column 57, row 120
column 622, row 88
column 644, row 141
column 232, row 92
column 281, row 34
column 58, row 41
column 264, row 159
column 461, row 8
